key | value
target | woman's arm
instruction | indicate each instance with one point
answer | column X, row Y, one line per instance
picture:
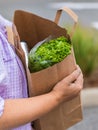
column 21, row 111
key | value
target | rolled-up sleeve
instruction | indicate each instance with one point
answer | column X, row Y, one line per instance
column 3, row 81
column 3, row 69
column 2, row 86
column 1, row 105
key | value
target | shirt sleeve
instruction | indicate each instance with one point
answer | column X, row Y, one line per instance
column 3, row 72
column 3, row 80
column 1, row 106
column 2, row 86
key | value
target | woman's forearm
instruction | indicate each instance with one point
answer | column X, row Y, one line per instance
column 21, row 111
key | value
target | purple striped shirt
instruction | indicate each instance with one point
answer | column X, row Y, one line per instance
column 12, row 75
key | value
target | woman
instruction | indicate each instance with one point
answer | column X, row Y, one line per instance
column 16, row 109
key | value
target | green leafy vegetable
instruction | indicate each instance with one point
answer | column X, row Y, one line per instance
column 49, row 53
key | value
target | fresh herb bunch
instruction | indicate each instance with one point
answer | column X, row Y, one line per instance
column 49, row 53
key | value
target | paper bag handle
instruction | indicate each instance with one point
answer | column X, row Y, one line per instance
column 71, row 14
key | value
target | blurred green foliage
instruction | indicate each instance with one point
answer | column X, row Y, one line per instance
column 85, row 44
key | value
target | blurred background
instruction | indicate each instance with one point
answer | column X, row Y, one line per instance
column 85, row 43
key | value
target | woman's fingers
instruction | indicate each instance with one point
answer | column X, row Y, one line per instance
column 73, row 76
column 79, row 79
column 77, row 85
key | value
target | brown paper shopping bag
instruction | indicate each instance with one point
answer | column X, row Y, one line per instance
column 32, row 29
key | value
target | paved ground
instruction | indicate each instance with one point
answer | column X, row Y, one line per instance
column 90, row 121
column 89, row 98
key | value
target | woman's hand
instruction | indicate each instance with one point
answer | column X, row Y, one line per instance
column 69, row 87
